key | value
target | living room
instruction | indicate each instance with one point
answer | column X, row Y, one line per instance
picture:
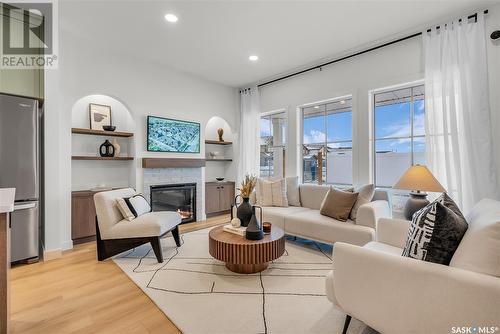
column 250, row 166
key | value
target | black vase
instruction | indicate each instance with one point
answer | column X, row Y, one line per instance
column 244, row 212
column 254, row 229
column 107, row 149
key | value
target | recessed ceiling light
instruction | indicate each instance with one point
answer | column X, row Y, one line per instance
column 253, row 58
column 172, row 18
column 316, row 107
column 342, row 102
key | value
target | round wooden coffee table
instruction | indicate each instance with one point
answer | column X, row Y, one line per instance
column 246, row 256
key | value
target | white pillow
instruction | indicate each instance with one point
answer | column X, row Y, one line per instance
column 271, row 193
column 292, row 191
column 479, row 249
column 138, row 205
column 365, row 195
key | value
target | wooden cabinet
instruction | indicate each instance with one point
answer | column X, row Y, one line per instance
column 218, row 197
column 25, row 82
column 82, row 216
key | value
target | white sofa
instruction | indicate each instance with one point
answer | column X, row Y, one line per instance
column 395, row 294
column 306, row 221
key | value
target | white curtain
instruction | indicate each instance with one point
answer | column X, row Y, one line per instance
column 249, row 134
column 458, row 128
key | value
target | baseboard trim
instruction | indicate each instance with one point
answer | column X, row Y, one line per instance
column 67, row 245
column 52, row 254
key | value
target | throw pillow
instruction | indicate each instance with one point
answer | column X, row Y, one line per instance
column 138, row 205
column 271, row 193
column 338, row 204
column 124, row 209
column 366, row 193
column 292, row 191
column 435, row 231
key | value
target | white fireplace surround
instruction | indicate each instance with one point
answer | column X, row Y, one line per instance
column 162, row 176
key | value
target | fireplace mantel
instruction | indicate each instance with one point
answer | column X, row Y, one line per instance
column 172, row 163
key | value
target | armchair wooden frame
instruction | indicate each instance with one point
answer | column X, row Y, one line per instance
column 110, row 247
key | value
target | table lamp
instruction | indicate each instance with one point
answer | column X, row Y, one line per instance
column 417, row 179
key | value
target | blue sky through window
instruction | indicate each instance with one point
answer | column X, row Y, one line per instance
column 391, row 121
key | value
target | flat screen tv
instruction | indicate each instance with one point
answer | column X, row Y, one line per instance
column 170, row 135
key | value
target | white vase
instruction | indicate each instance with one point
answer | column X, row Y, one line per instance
column 117, row 147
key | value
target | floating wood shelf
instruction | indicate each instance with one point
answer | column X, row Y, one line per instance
column 84, row 157
column 216, row 142
column 172, row 162
column 101, row 132
column 222, row 159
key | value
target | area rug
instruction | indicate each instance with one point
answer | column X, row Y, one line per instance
column 199, row 295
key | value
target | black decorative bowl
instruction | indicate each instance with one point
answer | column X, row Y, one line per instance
column 219, row 179
column 109, row 127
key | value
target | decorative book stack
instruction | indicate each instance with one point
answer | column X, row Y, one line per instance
column 235, row 230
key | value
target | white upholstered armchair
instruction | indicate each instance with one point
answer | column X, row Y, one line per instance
column 395, row 294
column 116, row 235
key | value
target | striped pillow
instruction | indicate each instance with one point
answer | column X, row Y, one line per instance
column 124, row 209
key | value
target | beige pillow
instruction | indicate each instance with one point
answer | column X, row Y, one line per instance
column 292, row 191
column 271, row 193
column 366, row 193
column 338, row 204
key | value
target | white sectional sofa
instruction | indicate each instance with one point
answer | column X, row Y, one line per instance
column 306, row 221
column 405, row 295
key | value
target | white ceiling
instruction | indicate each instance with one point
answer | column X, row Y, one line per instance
column 213, row 39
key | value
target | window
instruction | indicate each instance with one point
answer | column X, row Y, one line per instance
column 399, row 131
column 272, row 144
column 327, row 135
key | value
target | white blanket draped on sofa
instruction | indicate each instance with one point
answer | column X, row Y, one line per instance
column 458, row 127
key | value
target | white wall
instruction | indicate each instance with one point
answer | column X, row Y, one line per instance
column 396, row 64
column 357, row 76
column 144, row 88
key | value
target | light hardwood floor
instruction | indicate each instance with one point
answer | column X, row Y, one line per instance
column 78, row 294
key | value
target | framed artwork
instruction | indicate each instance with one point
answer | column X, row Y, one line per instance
column 99, row 115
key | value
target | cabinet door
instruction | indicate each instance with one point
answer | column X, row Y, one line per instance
column 26, row 82
column 226, row 197
column 212, row 202
column 82, row 216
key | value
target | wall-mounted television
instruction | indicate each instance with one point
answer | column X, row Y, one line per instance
column 171, row 135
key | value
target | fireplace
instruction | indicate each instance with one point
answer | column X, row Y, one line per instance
column 175, row 197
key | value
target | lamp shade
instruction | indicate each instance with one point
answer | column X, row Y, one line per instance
column 419, row 178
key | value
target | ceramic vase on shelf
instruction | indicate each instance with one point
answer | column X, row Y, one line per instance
column 106, row 149
column 220, row 132
column 117, row 147
column 244, row 211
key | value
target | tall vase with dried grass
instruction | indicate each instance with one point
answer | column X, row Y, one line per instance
column 244, row 211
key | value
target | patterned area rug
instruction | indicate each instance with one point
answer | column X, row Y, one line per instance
column 199, row 295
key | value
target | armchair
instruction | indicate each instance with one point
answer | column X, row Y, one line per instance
column 115, row 234
column 395, row 294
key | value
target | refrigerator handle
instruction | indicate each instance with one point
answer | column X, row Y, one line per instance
column 24, row 206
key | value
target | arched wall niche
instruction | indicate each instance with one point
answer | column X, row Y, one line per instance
column 93, row 174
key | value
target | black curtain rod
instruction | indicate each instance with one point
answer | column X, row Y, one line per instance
column 355, row 54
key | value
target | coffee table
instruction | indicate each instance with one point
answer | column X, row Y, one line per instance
column 245, row 256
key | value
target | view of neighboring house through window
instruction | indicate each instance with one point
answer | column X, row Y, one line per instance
column 399, row 117
column 272, row 144
column 327, row 142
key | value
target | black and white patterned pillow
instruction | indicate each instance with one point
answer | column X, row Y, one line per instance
column 138, row 205
column 436, row 231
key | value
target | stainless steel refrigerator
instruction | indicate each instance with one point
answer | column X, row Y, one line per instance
column 20, row 156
